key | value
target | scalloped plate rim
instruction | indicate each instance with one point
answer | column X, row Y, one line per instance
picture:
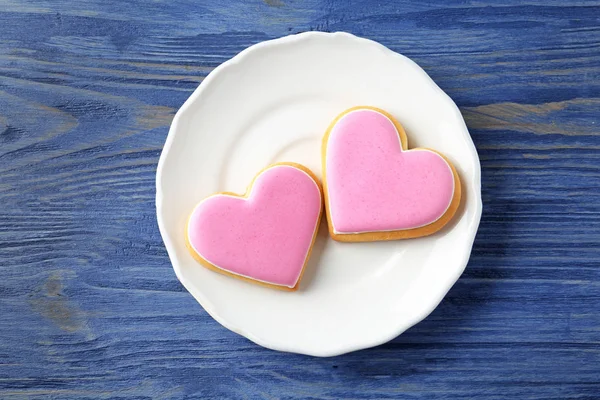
column 402, row 325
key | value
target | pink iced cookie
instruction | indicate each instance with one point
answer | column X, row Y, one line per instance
column 264, row 236
column 377, row 189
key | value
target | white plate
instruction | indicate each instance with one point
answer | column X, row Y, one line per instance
column 273, row 102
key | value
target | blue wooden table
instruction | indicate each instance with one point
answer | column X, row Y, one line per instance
column 89, row 304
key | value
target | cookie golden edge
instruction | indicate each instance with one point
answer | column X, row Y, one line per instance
column 422, row 231
column 215, row 268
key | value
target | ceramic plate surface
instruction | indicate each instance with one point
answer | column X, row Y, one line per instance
column 273, row 102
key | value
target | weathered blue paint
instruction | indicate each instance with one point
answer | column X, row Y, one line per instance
column 89, row 305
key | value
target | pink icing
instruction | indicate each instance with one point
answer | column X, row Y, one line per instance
column 265, row 237
column 373, row 185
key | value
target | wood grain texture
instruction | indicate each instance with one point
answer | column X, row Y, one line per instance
column 89, row 305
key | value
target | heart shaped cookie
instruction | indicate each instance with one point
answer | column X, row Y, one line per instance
column 377, row 189
column 264, row 236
